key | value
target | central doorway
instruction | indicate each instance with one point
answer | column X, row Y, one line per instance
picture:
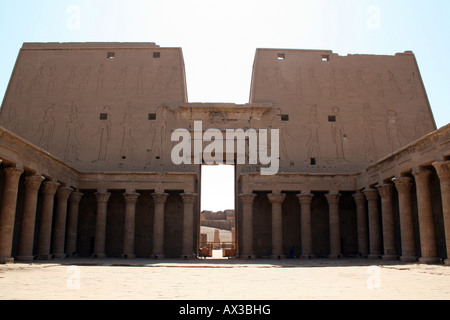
column 217, row 212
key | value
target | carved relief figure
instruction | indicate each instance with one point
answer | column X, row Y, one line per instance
column 347, row 81
column 332, row 87
column 157, row 135
column 281, row 82
column 12, row 124
column 368, row 125
column 140, row 81
column 337, row 134
column 46, row 128
column 282, row 126
column 393, row 82
column 122, row 78
column 299, row 85
column 393, row 130
column 364, row 89
column 85, row 78
column 70, row 80
column 173, row 77
column 19, row 82
column 379, row 83
column 313, row 82
column 100, row 79
column 72, row 144
column 422, row 127
column 104, row 131
column 37, row 79
column 413, row 86
column 51, row 80
column 312, row 144
column 128, row 142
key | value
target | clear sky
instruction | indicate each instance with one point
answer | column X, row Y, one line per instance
column 219, row 38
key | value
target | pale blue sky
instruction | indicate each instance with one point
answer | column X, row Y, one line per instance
column 219, row 38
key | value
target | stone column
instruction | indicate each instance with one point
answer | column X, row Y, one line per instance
column 158, row 224
column 443, row 171
column 305, row 216
column 387, row 214
column 428, row 243
column 8, row 212
column 408, row 239
column 277, row 224
column 26, row 238
column 247, row 225
column 100, row 224
column 46, row 219
column 361, row 220
column 129, row 230
column 374, row 223
column 59, row 230
column 335, row 233
column 72, row 223
column 188, row 225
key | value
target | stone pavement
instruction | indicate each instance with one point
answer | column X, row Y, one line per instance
column 223, row 279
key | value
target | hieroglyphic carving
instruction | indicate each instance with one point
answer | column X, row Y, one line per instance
column 72, row 143
column 46, row 128
column 363, row 87
column 104, row 131
column 368, row 126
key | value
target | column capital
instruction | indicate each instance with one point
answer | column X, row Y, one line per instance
column 385, row 190
column 305, row 198
column 12, row 172
column 443, row 171
column 189, row 198
column 247, row 198
column 63, row 193
column 276, row 197
column 160, row 197
column 421, row 176
column 131, row 197
column 50, row 187
column 359, row 197
column 333, row 198
column 403, row 184
column 33, row 183
column 75, row 197
column 371, row 194
column 102, row 196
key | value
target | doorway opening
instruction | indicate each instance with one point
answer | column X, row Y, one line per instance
column 217, row 238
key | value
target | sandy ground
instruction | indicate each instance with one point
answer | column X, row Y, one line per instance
column 224, row 279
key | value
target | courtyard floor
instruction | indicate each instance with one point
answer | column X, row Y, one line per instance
column 224, row 279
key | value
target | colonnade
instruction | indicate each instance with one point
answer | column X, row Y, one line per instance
column 58, row 220
column 375, row 229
